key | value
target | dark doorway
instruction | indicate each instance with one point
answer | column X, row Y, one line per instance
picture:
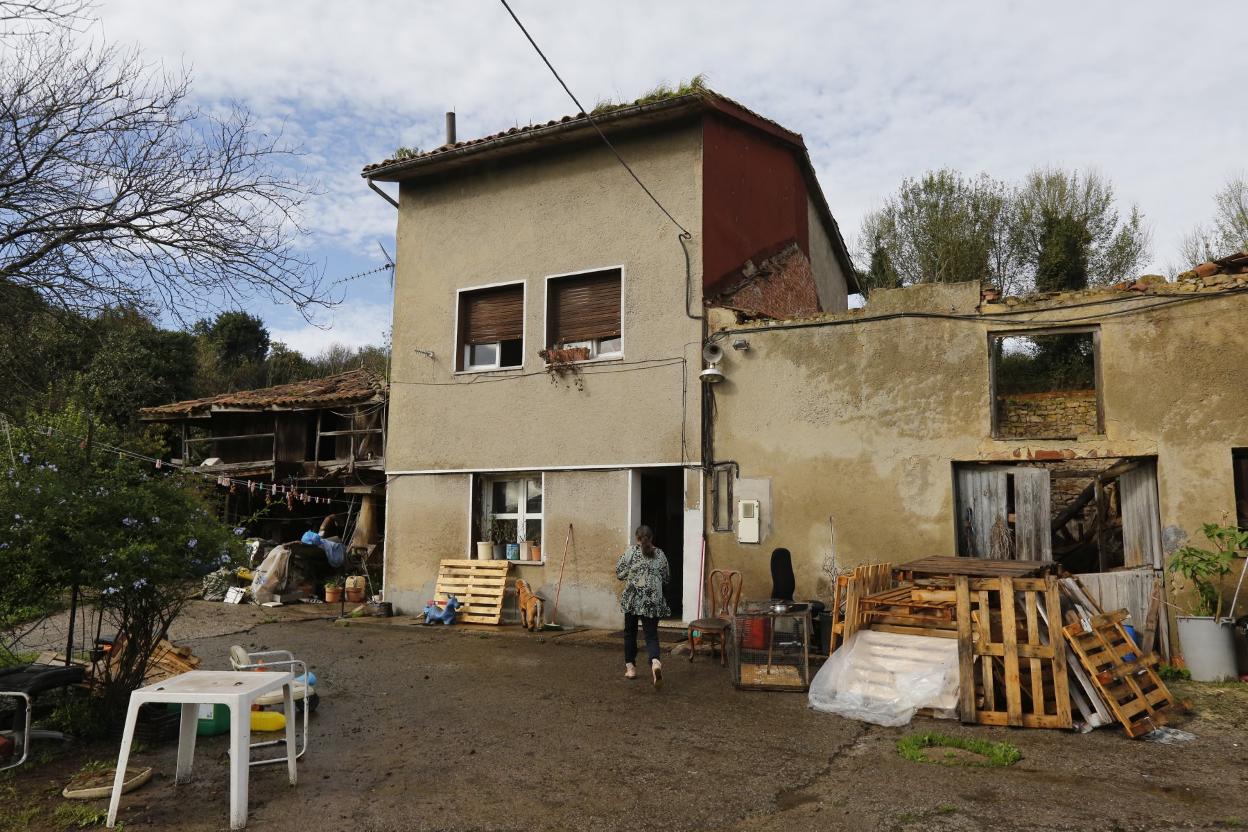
column 662, row 509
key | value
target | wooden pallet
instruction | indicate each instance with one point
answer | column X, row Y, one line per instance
column 976, row 567
column 1021, row 677
column 849, row 590
column 478, row 584
column 1132, row 689
column 912, row 610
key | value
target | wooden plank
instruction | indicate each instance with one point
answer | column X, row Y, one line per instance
column 977, row 567
column 1061, row 681
column 1009, row 635
column 1033, row 641
column 1034, row 540
column 966, row 654
column 1141, row 517
column 913, row 631
column 984, row 618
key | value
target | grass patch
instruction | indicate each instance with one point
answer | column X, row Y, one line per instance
column 660, row 93
column 80, row 815
column 1170, row 673
column 8, row 659
column 998, row 754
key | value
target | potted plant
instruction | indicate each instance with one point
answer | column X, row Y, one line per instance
column 333, row 591
column 535, row 546
column 355, row 589
column 498, row 538
column 1207, row 638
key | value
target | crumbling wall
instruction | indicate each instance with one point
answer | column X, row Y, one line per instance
column 1047, row 415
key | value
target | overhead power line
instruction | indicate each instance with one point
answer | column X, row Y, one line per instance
column 589, row 117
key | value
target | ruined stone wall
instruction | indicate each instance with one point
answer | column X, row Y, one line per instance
column 1063, row 413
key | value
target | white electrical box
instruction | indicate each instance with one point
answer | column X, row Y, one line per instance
column 747, row 521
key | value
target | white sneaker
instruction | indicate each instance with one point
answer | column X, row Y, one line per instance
column 656, row 672
column 630, row 670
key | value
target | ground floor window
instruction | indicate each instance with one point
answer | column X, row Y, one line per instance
column 1239, row 457
column 511, row 509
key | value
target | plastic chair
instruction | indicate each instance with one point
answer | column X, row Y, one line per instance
column 26, row 682
column 302, row 692
column 725, row 589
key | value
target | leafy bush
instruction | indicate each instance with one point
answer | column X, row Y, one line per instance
column 1206, row 568
column 134, row 538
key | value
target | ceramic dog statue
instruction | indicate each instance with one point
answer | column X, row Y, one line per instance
column 530, row 606
column 446, row 615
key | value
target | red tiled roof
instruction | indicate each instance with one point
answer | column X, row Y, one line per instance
column 620, row 116
column 576, row 128
column 352, row 387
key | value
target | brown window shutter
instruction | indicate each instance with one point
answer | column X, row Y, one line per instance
column 491, row 315
column 584, row 307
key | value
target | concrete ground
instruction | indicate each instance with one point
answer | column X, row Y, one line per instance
column 475, row 729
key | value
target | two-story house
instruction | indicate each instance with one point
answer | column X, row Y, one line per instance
column 536, row 239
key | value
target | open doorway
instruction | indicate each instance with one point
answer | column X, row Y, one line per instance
column 661, row 507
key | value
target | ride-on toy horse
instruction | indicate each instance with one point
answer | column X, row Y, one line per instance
column 446, row 615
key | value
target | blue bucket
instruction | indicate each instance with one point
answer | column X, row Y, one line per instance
column 1130, row 657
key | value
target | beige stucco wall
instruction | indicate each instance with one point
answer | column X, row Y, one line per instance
column 862, row 422
column 428, row 522
column 568, row 212
column 829, row 276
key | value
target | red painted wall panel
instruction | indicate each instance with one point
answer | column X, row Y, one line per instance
column 753, row 197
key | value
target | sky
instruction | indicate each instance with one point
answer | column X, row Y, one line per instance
column 1141, row 91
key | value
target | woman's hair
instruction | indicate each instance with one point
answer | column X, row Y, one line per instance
column 646, row 533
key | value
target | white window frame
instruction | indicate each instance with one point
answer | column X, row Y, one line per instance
column 461, row 351
column 522, row 514
column 595, row 353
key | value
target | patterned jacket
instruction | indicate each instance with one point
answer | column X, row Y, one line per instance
column 644, row 580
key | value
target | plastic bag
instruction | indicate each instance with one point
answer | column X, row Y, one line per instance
column 270, row 577
column 884, row 678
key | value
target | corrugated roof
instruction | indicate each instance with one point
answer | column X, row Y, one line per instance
column 352, row 387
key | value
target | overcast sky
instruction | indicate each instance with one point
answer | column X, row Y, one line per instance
column 1151, row 93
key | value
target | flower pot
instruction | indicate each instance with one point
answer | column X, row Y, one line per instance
column 355, row 596
column 513, row 551
column 1208, row 647
column 535, row 551
column 485, row 550
column 333, row 594
column 500, row 551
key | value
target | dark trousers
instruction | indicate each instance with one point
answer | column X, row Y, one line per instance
column 649, row 626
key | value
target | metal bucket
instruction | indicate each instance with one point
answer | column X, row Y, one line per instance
column 1208, row 648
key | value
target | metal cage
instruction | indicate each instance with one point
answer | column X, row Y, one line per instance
column 770, row 647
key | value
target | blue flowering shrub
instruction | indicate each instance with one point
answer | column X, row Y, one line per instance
column 134, row 538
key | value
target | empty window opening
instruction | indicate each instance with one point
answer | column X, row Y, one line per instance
column 491, row 328
column 583, row 314
column 1045, row 385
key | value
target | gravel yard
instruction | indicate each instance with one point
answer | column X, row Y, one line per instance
column 470, row 730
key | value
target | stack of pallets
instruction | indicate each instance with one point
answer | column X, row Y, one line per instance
column 1032, row 651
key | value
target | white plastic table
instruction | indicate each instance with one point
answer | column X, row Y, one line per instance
column 237, row 690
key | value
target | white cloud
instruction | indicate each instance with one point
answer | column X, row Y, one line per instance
column 354, row 324
column 880, row 91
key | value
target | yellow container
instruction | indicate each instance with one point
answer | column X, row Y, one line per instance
column 267, row 721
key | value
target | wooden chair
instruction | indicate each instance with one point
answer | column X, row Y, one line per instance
column 725, row 590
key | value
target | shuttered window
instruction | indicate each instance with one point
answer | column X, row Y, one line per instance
column 583, row 308
column 491, row 324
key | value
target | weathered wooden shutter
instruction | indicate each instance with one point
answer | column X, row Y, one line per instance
column 981, row 501
column 1141, row 520
column 584, row 307
column 1033, row 538
column 491, row 315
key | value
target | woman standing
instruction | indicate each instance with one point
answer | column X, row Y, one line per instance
column 644, row 569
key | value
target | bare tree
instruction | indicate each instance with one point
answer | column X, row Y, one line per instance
column 113, row 190
column 41, row 16
column 1227, row 234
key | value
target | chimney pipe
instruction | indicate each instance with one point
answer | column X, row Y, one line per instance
column 450, row 128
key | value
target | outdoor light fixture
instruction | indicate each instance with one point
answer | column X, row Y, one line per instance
column 712, row 354
column 740, row 344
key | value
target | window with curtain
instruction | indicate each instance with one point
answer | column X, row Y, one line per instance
column 491, row 328
column 583, row 310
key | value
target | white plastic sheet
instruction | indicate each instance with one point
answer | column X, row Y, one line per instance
column 884, row 678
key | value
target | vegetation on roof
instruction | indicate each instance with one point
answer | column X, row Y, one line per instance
column 662, row 92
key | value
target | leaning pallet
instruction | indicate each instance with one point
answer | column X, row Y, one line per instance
column 1125, row 677
column 1021, row 658
column 850, row 588
column 479, row 585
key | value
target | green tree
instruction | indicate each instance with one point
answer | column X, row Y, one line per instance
column 1062, row 263
column 941, row 228
column 1067, row 220
column 238, row 338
